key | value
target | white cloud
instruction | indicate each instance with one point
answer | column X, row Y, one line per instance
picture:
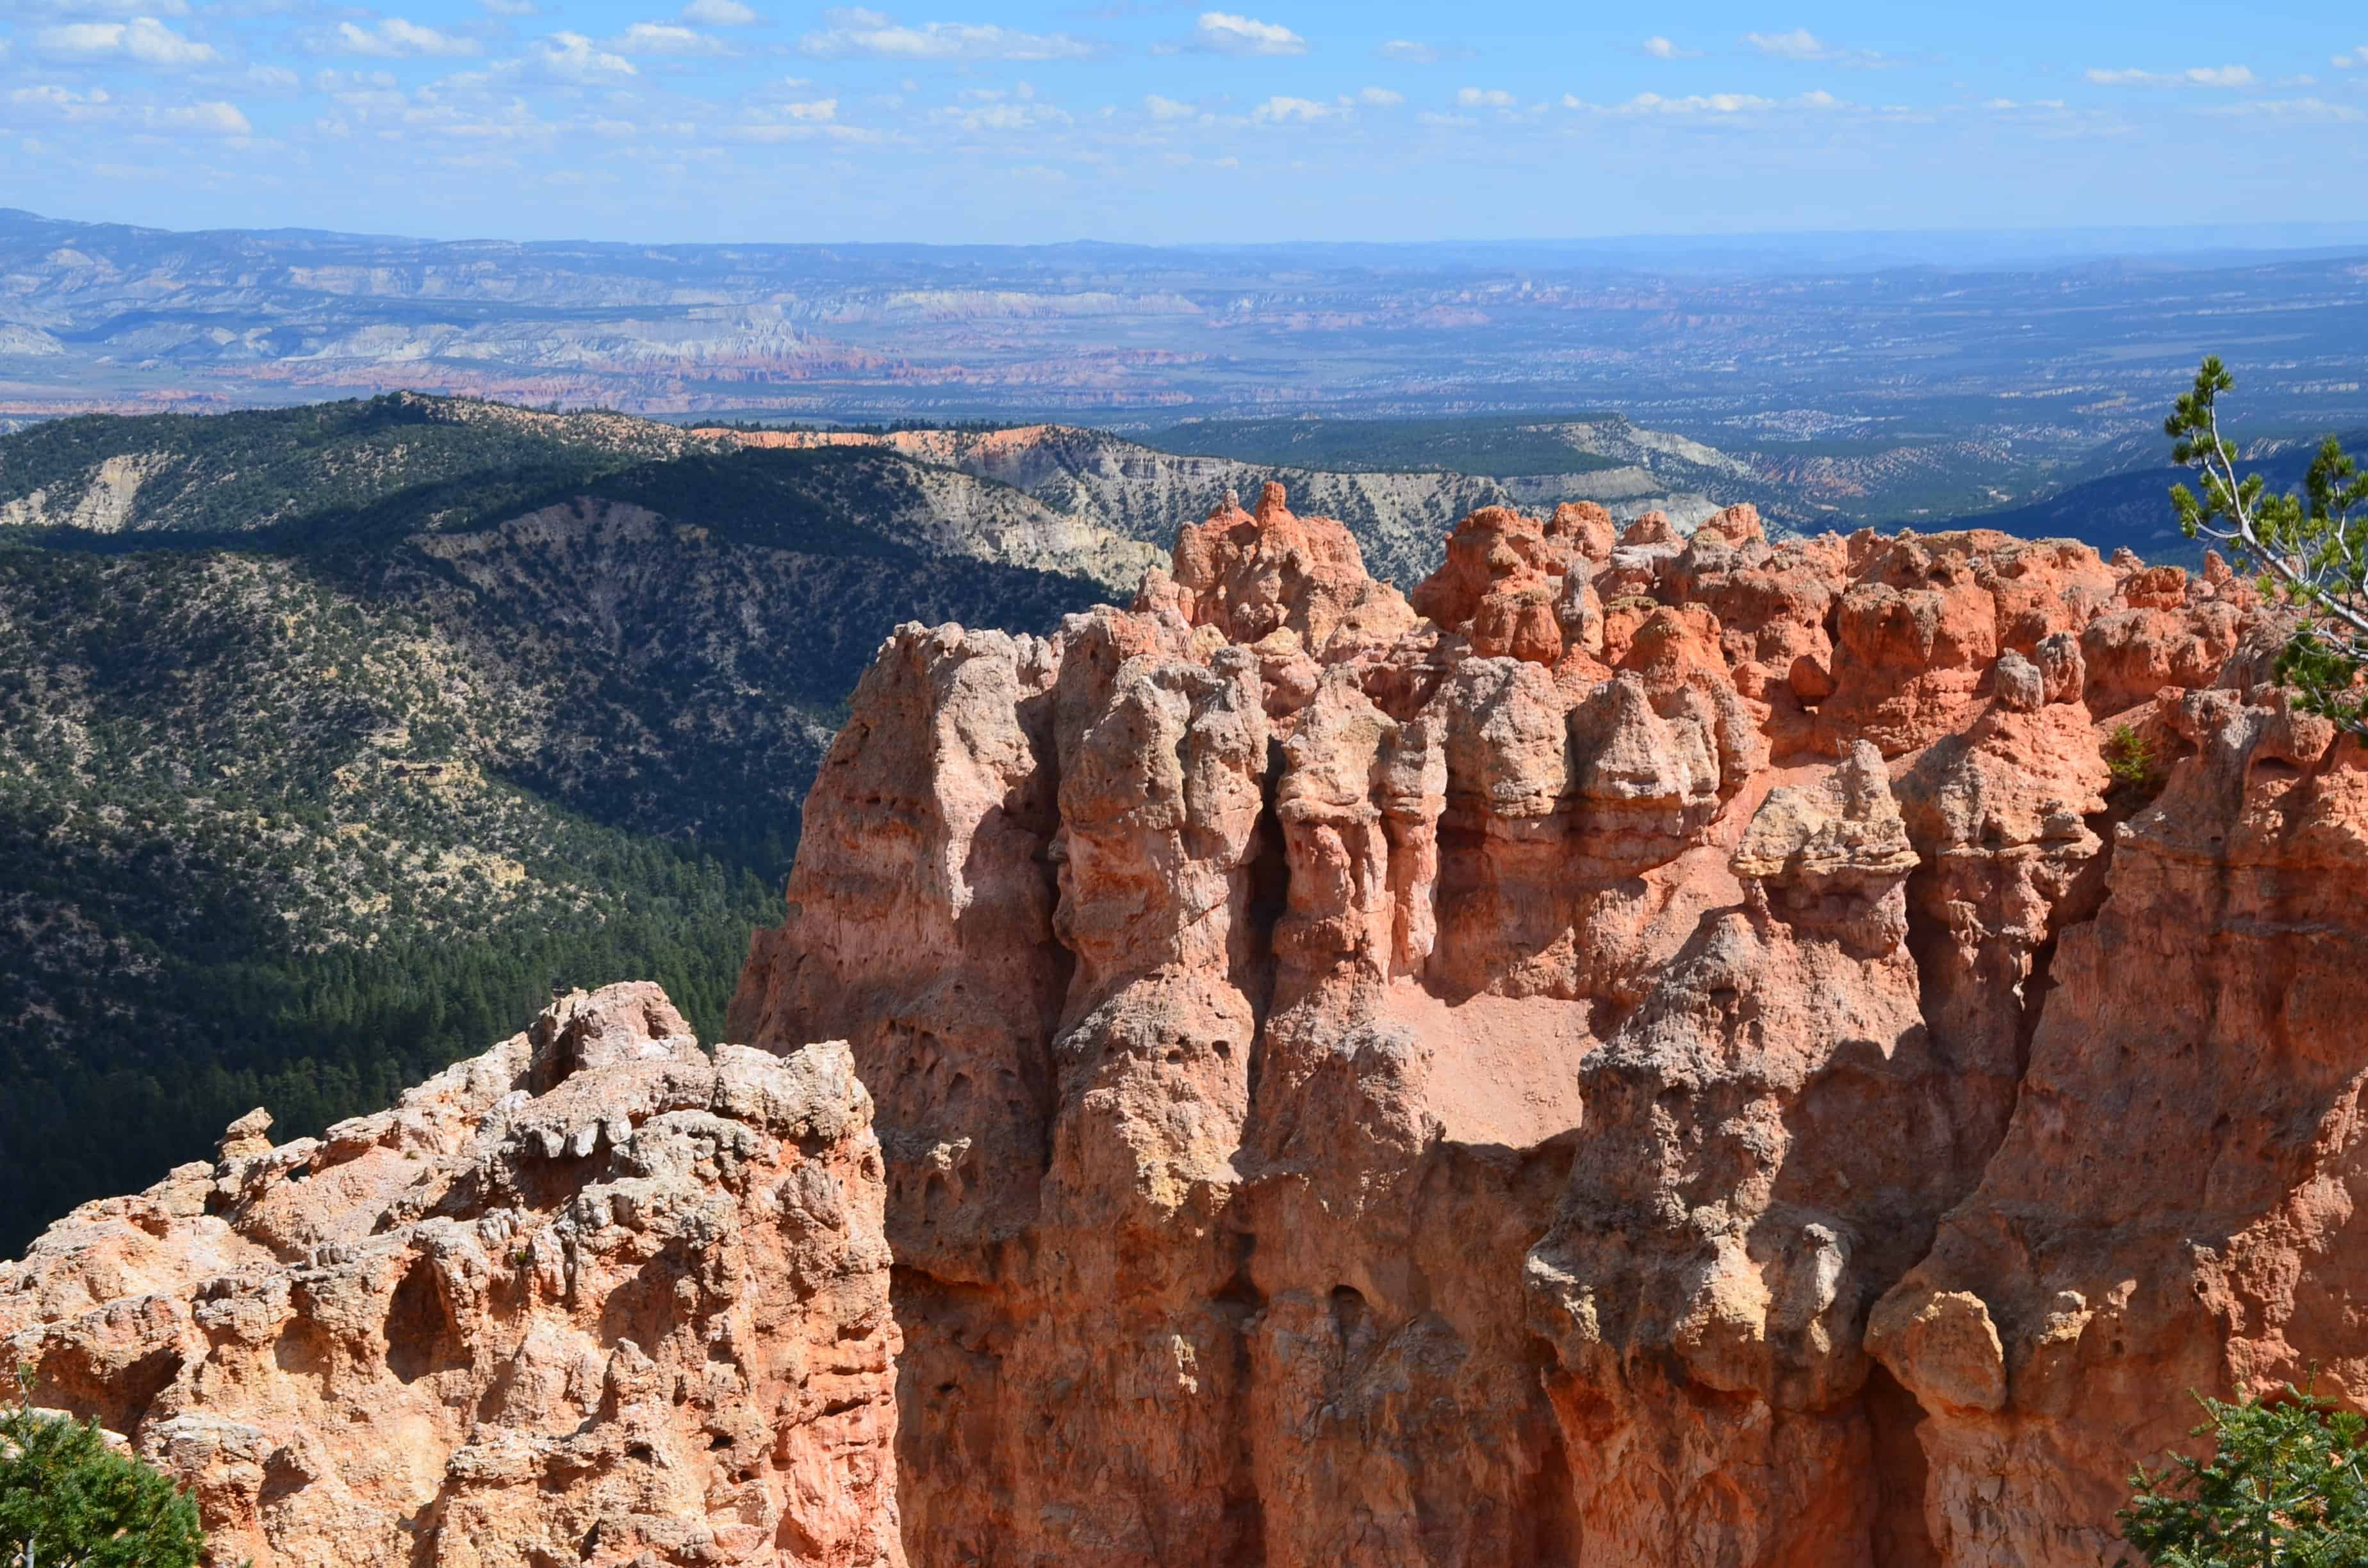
column 1801, row 45
column 1166, row 108
column 997, row 116
column 1798, row 44
column 572, row 57
column 1660, row 48
column 396, row 36
column 869, row 33
column 202, row 119
column 798, row 122
column 1222, row 32
column 1432, row 117
column 1485, row 98
column 509, row 8
column 1379, row 97
column 1700, row 103
column 63, row 103
column 1281, row 110
column 1715, row 105
column 143, row 39
column 106, row 7
column 2317, row 110
column 1408, row 52
column 2355, row 61
column 663, row 38
column 2194, row 76
column 719, row 13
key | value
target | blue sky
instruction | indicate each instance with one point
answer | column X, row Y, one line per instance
column 1138, row 120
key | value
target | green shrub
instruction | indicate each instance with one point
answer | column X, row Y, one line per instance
column 2130, row 758
column 2310, row 548
column 2287, row 1484
column 68, row 1500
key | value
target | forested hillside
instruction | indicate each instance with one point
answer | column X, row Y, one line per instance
column 295, row 807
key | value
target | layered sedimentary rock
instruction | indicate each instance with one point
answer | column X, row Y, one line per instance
column 1614, row 1057
column 594, row 1296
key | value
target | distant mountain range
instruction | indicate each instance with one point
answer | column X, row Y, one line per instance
column 1872, row 379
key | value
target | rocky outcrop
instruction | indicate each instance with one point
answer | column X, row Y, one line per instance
column 1651, row 1048
column 1453, row 1079
column 2174, row 1205
column 594, row 1296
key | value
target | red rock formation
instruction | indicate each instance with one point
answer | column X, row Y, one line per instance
column 2174, row 1204
column 590, row 1297
column 1679, row 1052
column 1295, row 1246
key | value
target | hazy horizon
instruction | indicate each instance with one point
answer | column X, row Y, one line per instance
column 2033, row 247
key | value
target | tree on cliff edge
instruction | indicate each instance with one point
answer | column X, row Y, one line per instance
column 2286, row 1487
column 68, row 1500
column 2311, row 546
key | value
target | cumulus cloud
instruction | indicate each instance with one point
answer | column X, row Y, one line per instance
column 2355, row 61
column 849, row 34
column 1798, row 44
column 2194, row 77
column 663, row 38
column 1410, row 51
column 1166, row 108
column 509, row 8
column 1660, row 48
column 1379, row 97
column 395, row 37
column 1284, row 111
column 1801, row 45
column 1707, row 104
column 1222, row 32
column 798, row 122
column 987, row 112
column 719, row 13
column 1485, row 98
column 202, row 119
column 63, row 103
column 144, row 39
column 572, row 57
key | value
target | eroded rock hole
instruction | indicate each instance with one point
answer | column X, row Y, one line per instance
column 421, row 1338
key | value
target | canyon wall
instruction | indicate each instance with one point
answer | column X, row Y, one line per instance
column 1650, row 1049
column 1653, row 1050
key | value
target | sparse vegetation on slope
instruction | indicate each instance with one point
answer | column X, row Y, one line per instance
column 294, row 822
